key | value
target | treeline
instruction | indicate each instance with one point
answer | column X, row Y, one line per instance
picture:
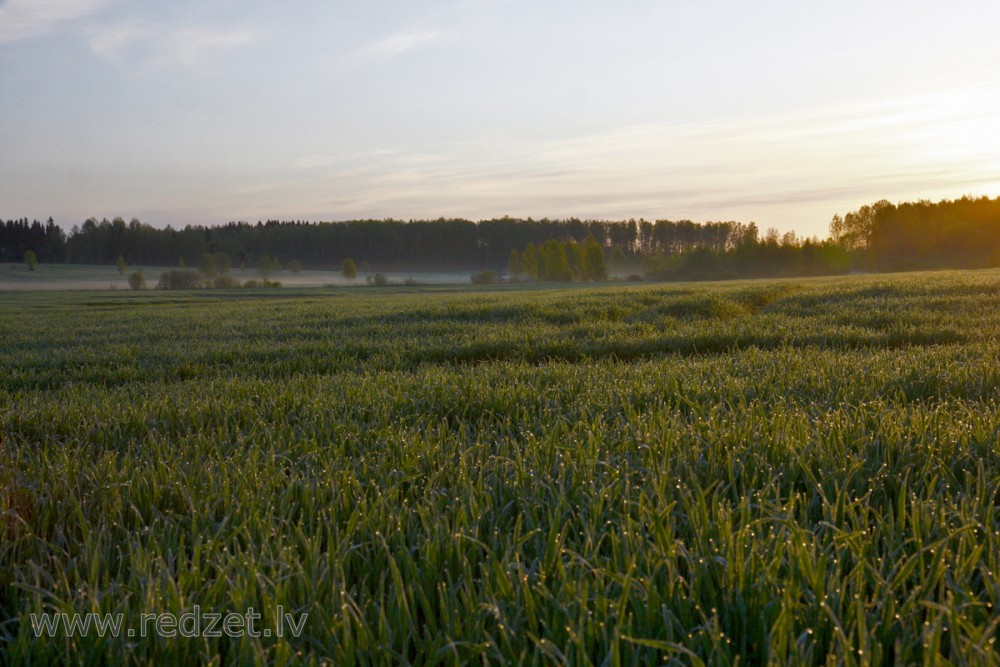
column 876, row 237
column 960, row 233
column 444, row 243
column 47, row 241
column 949, row 234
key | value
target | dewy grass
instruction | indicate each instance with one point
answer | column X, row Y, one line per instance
column 782, row 472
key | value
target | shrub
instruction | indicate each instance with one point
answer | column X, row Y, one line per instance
column 261, row 283
column 294, row 266
column 377, row 279
column 225, row 282
column 487, row 277
column 177, row 279
column 136, row 280
column 30, row 260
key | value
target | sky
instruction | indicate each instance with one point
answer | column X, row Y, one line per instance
column 778, row 112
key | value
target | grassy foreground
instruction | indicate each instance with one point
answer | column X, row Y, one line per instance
column 786, row 472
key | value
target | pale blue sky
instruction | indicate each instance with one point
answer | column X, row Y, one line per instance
column 783, row 113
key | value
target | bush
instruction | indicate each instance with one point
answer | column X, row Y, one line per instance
column 294, row 266
column 410, row 282
column 225, row 282
column 177, row 279
column 485, row 278
column 377, row 279
column 30, row 260
column 136, row 280
column 254, row 284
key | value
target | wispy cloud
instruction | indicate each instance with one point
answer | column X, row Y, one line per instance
column 188, row 46
column 399, row 43
column 24, row 19
column 153, row 47
column 115, row 39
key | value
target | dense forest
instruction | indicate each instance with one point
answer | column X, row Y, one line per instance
column 962, row 233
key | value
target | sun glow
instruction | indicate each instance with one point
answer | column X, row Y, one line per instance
column 958, row 135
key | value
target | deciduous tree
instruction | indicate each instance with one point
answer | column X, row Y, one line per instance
column 348, row 269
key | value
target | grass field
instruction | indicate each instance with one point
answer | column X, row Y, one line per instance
column 779, row 472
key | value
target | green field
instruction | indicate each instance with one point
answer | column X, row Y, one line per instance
column 767, row 472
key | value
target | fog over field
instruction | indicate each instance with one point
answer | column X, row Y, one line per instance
column 87, row 277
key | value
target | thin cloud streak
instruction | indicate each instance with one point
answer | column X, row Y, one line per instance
column 401, row 42
column 24, row 19
column 154, row 48
column 113, row 40
column 188, row 46
column 151, row 45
